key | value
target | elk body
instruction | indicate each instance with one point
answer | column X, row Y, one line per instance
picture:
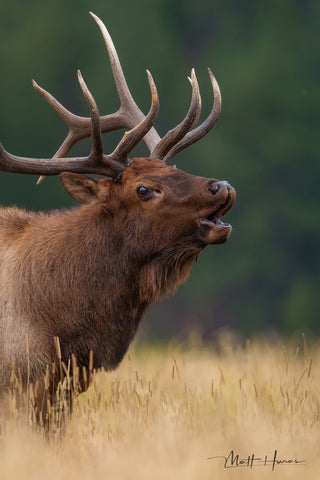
column 88, row 274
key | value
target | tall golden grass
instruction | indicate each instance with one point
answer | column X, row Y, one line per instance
column 166, row 412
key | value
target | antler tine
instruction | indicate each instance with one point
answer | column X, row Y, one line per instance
column 177, row 133
column 133, row 137
column 97, row 148
column 96, row 156
column 129, row 109
column 78, row 126
column 199, row 132
column 197, row 116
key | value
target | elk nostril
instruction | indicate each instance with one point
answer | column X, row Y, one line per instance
column 214, row 187
column 218, row 185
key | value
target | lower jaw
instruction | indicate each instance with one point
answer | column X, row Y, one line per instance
column 217, row 234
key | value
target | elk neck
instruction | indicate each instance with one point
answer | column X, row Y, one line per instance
column 70, row 263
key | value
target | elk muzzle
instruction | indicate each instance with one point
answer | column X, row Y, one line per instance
column 212, row 229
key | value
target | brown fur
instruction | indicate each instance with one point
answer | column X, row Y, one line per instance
column 87, row 275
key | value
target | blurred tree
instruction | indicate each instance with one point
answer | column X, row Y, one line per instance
column 266, row 58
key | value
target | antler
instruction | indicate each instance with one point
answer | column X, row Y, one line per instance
column 127, row 116
column 109, row 165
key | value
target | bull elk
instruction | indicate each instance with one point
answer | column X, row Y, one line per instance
column 87, row 275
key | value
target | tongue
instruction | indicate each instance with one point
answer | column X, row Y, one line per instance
column 221, row 224
column 210, row 221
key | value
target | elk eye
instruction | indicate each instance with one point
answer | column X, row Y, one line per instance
column 142, row 191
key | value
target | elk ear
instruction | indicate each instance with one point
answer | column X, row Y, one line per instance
column 85, row 190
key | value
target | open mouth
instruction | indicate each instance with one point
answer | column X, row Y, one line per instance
column 214, row 218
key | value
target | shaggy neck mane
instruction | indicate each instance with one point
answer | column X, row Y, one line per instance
column 165, row 272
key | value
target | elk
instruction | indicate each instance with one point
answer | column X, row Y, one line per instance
column 87, row 275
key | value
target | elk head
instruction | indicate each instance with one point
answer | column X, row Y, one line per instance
column 149, row 197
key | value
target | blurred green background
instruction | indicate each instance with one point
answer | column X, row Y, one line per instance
column 265, row 56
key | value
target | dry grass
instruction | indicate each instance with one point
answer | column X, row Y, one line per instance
column 165, row 411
